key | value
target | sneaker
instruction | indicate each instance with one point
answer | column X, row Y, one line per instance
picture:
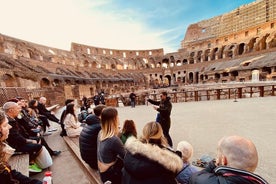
column 52, row 129
column 34, row 168
column 55, row 153
column 47, row 133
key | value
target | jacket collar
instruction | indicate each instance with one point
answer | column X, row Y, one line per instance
column 168, row 159
column 229, row 171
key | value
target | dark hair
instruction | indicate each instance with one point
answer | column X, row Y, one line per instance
column 70, row 109
column 98, row 109
column 108, row 114
column 68, row 101
column 31, row 104
column 13, row 100
column 129, row 128
column 164, row 93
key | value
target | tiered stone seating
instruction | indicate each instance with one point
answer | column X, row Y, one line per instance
column 73, row 144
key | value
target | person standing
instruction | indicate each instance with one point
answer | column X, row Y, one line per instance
column 132, row 97
column 96, row 99
column 164, row 107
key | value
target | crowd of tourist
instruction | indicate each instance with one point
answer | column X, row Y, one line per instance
column 119, row 154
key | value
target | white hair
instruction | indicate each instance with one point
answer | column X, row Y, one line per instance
column 186, row 150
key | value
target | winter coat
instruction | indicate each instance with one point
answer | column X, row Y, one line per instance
column 225, row 175
column 148, row 163
column 184, row 175
column 8, row 176
column 165, row 108
column 73, row 128
column 88, row 141
column 16, row 138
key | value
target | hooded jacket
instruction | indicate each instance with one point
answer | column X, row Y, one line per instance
column 225, row 175
column 148, row 163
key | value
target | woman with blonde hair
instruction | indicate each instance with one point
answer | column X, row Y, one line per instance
column 150, row 160
column 110, row 150
column 8, row 175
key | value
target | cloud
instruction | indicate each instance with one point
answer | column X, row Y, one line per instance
column 115, row 24
column 57, row 23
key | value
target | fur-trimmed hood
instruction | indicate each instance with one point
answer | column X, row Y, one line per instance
column 164, row 157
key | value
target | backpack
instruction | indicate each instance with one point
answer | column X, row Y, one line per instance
column 82, row 115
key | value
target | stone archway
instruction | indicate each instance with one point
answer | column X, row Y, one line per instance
column 44, row 83
column 191, row 78
column 9, row 80
column 167, row 80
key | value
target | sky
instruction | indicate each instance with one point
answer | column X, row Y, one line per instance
column 114, row 24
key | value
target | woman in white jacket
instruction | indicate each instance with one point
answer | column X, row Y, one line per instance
column 72, row 126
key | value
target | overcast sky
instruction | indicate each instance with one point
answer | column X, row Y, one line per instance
column 115, row 24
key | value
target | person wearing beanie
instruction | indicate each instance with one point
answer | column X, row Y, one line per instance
column 149, row 159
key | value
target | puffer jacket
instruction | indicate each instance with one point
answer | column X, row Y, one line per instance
column 88, row 141
column 148, row 163
column 225, row 175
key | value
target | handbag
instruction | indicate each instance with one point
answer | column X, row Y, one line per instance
column 44, row 159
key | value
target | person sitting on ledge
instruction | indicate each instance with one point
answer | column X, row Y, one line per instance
column 237, row 159
column 89, row 135
column 43, row 111
column 7, row 174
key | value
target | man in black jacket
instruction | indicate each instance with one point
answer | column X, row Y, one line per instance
column 88, row 137
column 43, row 110
column 237, row 159
column 165, row 108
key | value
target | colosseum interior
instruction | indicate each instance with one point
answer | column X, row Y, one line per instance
column 233, row 48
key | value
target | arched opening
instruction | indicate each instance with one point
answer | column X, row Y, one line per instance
column 213, row 53
column 206, row 55
column 191, row 78
column 196, row 77
column 86, row 63
column 167, row 80
column 56, row 82
column 241, row 49
column 44, row 83
column 198, row 58
column 185, row 61
column 9, row 80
